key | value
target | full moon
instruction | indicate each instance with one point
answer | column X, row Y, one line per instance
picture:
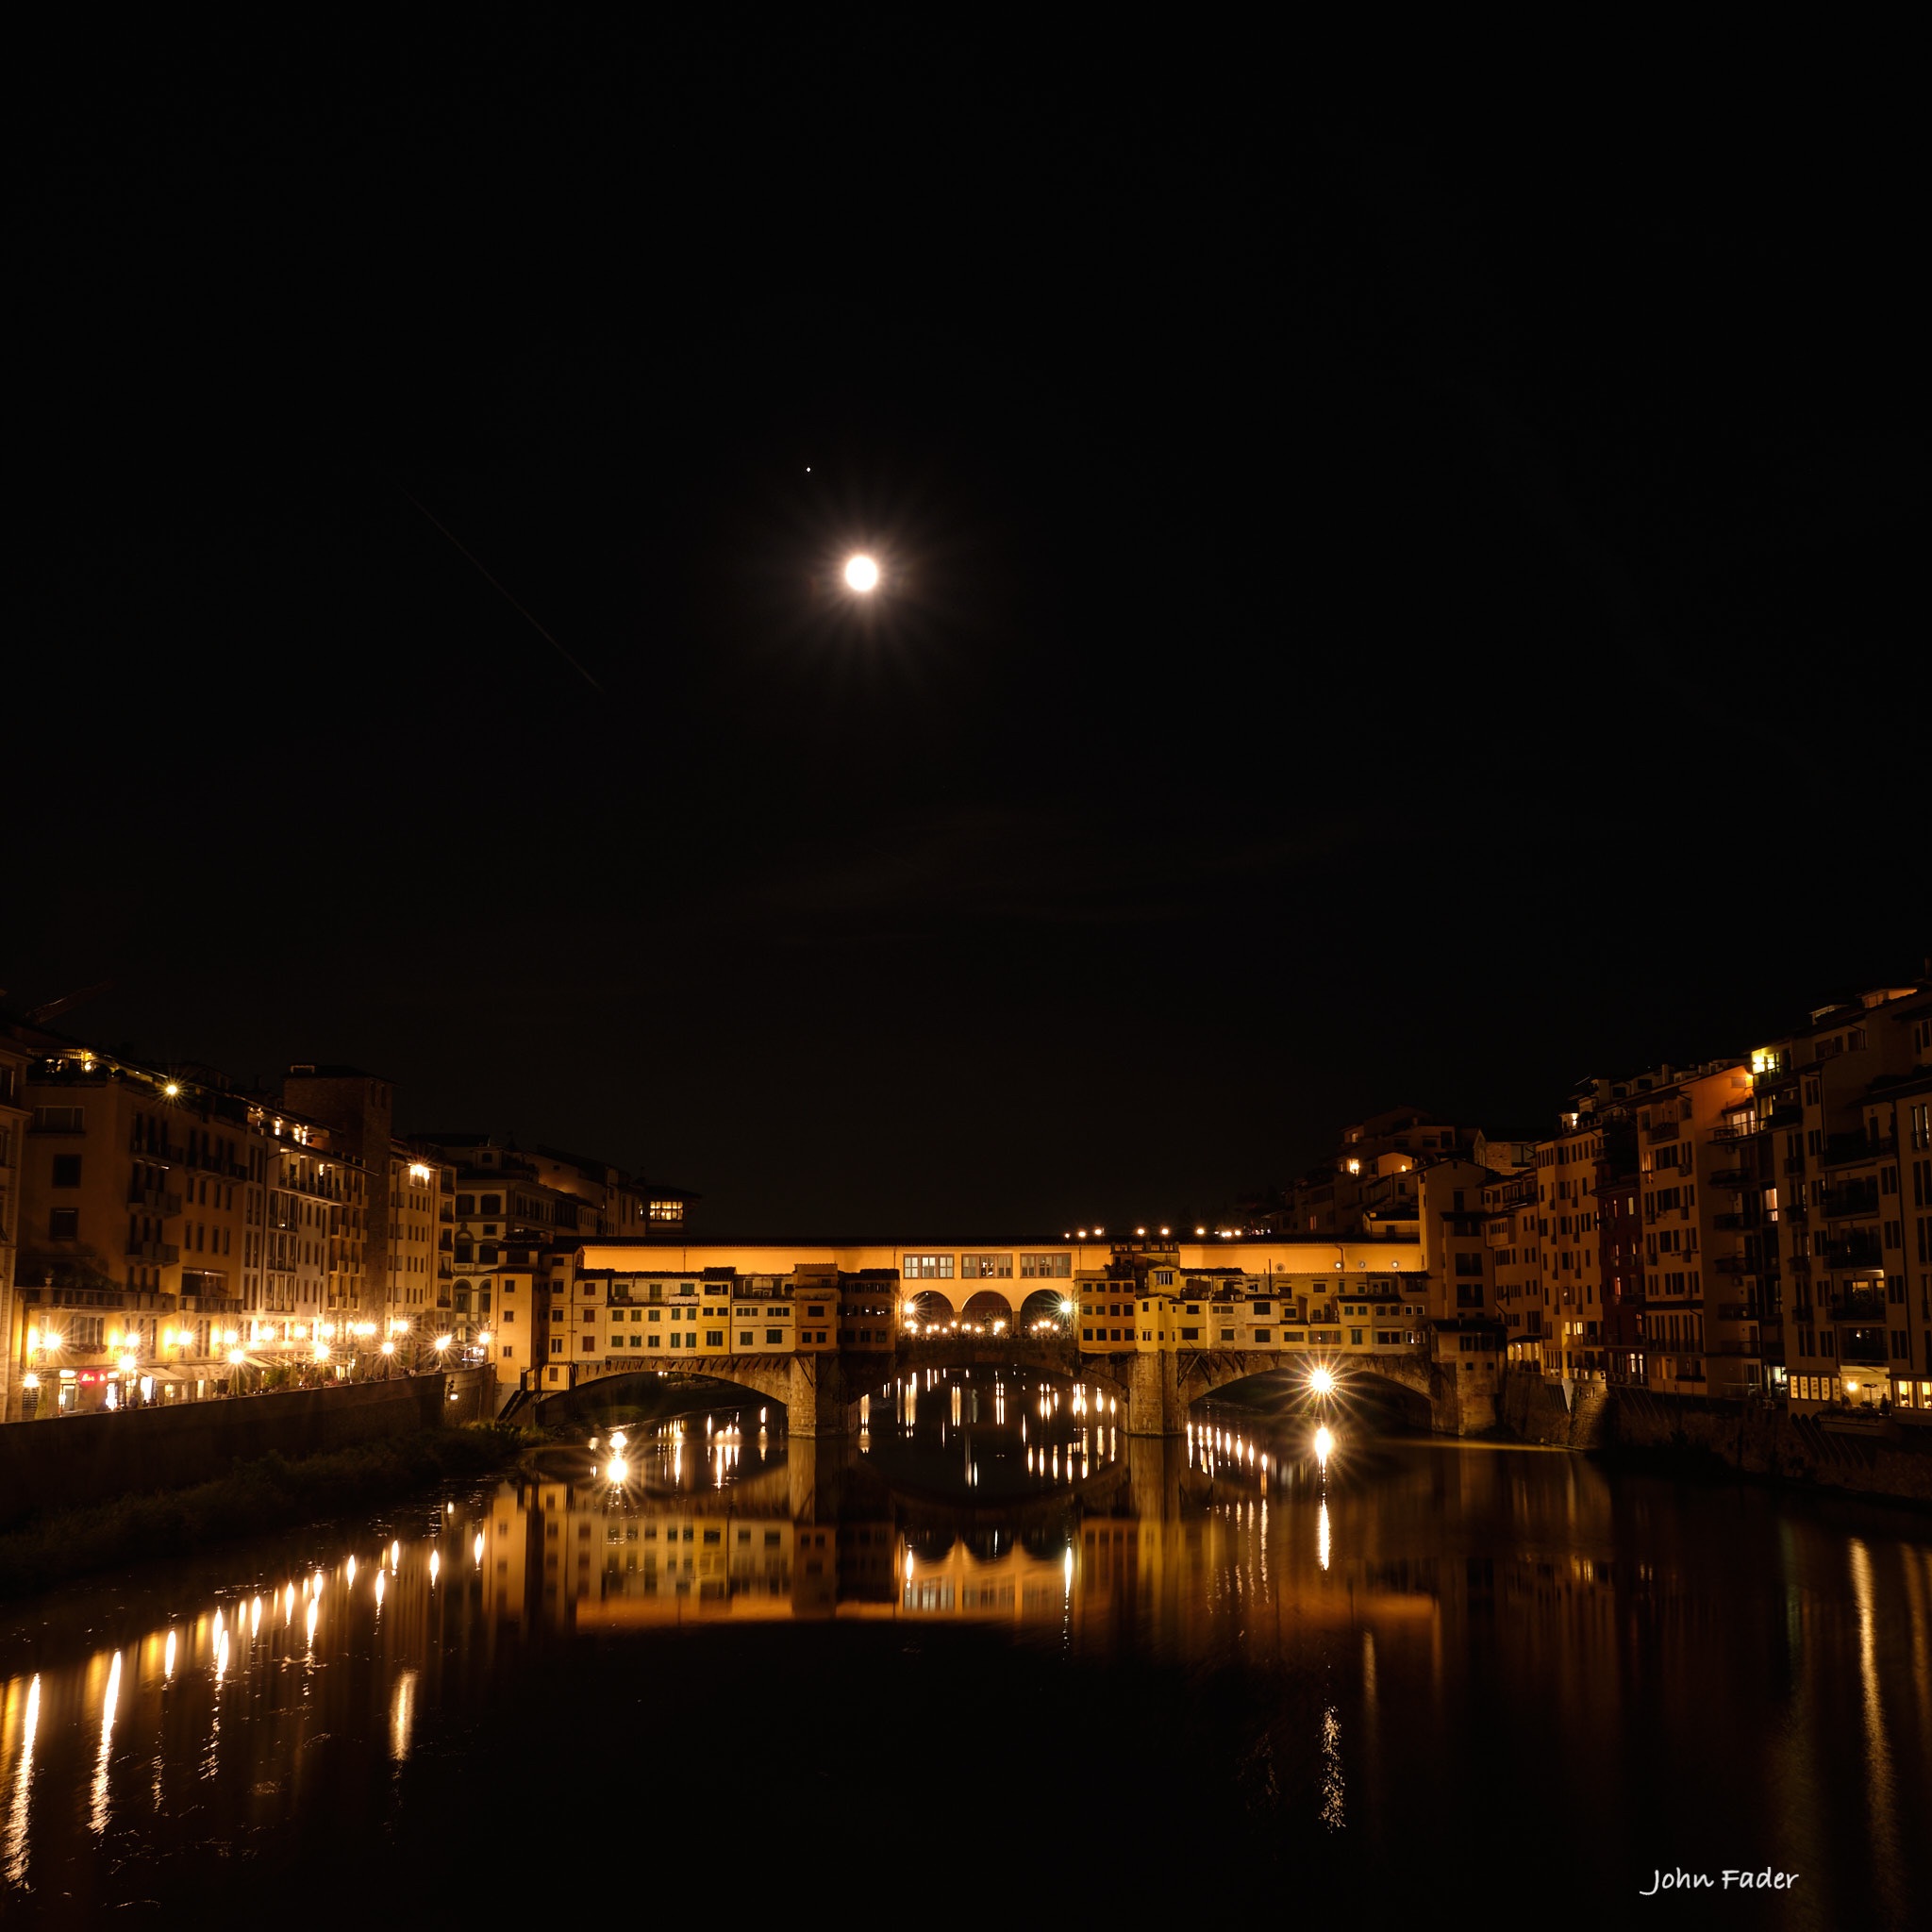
column 862, row 572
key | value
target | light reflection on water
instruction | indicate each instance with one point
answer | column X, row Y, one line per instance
column 1411, row 1613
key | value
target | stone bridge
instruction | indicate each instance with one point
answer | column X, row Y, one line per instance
column 821, row 1392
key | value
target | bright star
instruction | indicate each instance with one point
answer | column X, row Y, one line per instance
column 861, row 573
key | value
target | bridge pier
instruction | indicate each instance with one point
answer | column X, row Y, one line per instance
column 815, row 1401
column 1155, row 1405
column 1155, row 1466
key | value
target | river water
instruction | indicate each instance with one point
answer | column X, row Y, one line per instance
column 993, row 1657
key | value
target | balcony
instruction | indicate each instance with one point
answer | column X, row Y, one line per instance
column 1857, row 1305
column 154, row 1200
column 164, row 1253
column 1735, row 1177
column 1736, row 1312
column 1664, row 1130
column 1841, row 1149
column 227, row 1306
column 1850, row 1204
column 1863, row 1348
column 1731, row 1264
column 1733, row 1223
column 1854, row 1255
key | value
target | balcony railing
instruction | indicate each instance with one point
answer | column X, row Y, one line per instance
column 1857, row 1305
column 1735, row 1177
column 165, row 1253
column 229, row 1305
column 1850, row 1204
column 1842, row 1148
column 1854, row 1255
column 1736, row 1312
column 154, row 1200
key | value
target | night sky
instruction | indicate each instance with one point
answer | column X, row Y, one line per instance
column 1377, row 610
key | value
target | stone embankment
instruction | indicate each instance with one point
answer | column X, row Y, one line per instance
column 1865, row 1456
column 67, row 1462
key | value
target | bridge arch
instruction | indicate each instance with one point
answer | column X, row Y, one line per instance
column 987, row 1305
column 1044, row 1304
column 1406, row 1383
column 742, row 1381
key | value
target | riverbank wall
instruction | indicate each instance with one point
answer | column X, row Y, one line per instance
column 1873, row 1457
column 69, row 1462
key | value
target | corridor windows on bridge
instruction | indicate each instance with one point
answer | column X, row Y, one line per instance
column 986, row 1267
column 1046, row 1267
column 746, row 1339
column 927, row 1268
column 775, row 1335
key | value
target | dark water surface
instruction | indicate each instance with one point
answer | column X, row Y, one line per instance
column 993, row 1659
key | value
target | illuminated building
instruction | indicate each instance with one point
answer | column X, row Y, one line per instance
column 1827, row 1189
column 1368, row 1186
column 421, row 1242
column 14, row 1116
column 1320, row 1295
column 1568, row 1246
column 1509, row 1231
column 1466, row 1334
column 357, row 1108
column 510, row 1208
column 151, row 1255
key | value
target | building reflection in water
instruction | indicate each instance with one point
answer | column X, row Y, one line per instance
column 1369, row 1579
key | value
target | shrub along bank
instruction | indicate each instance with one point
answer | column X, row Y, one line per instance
column 269, row 1494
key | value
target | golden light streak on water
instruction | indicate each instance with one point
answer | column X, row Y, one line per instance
column 1882, row 1797
column 22, row 1784
column 98, row 1816
column 402, row 1716
column 1333, row 1787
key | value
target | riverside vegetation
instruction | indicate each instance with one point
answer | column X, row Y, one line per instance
column 271, row 1492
